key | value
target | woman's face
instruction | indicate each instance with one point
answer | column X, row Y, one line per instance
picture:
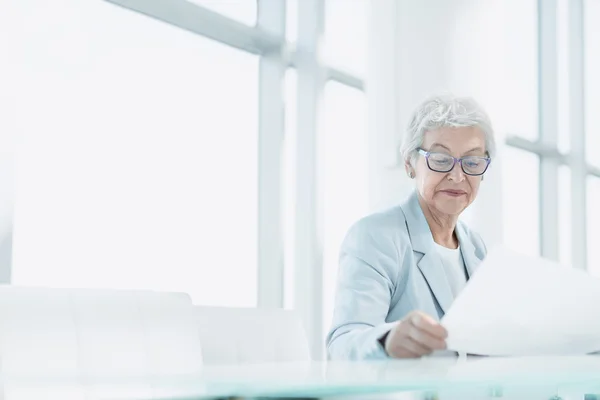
column 449, row 192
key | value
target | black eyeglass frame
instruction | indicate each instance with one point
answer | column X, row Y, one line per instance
column 426, row 154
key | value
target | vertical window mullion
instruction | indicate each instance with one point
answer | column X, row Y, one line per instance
column 576, row 112
column 308, row 224
column 548, row 125
column 271, row 18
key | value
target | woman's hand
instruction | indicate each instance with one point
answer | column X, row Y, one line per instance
column 416, row 335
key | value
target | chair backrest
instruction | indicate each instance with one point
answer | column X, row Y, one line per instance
column 97, row 333
column 251, row 335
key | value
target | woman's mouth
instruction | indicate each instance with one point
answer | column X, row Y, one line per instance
column 454, row 193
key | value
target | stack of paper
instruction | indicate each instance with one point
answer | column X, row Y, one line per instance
column 517, row 305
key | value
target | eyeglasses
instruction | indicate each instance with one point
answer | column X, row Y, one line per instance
column 441, row 162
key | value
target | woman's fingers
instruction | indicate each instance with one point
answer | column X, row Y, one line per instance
column 415, row 336
column 426, row 340
column 425, row 323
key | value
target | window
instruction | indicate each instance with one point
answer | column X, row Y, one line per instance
column 241, row 10
column 10, row 104
column 521, row 200
column 520, row 76
column 565, row 231
column 291, row 23
column 593, row 225
column 289, row 178
column 562, row 16
column 592, row 79
column 140, row 168
column 343, row 179
column 345, row 36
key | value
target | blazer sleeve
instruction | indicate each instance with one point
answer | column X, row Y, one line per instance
column 368, row 272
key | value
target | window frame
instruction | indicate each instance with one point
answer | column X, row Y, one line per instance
column 268, row 40
column 547, row 145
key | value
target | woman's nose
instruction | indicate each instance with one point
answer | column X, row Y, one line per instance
column 456, row 173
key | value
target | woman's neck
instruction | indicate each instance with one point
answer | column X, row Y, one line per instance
column 441, row 225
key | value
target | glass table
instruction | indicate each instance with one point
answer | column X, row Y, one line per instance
column 530, row 378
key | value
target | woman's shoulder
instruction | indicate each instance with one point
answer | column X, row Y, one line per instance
column 379, row 240
column 385, row 225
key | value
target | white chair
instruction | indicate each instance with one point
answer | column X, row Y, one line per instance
column 251, row 335
column 97, row 333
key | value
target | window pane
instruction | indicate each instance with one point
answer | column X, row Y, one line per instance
column 140, row 173
column 520, row 78
column 593, row 225
column 9, row 127
column 345, row 39
column 343, row 176
column 521, row 200
column 564, row 141
column 291, row 24
column 592, row 79
column 241, row 10
column 289, row 185
column 564, row 215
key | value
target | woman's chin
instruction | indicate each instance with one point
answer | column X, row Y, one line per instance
column 453, row 207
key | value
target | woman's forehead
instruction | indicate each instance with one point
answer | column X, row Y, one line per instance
column 459, row 139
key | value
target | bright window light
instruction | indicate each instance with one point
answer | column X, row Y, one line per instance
column 565, row 229
column 137, row 166
column 592, row 79
column 562, row 47
column 289, row 184
column 593, row 226
column 343, row 176
column 345, row 38
column 521, row 200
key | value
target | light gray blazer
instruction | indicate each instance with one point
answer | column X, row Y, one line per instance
column 388, row 268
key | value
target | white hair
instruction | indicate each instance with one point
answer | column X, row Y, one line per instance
column 445, row 111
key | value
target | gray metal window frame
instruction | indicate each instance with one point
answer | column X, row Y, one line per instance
column 267, row 39
column 546, row 147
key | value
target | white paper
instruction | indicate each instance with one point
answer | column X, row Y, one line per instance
column 516, row 305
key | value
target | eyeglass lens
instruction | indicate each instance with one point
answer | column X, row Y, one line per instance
column 443, row 163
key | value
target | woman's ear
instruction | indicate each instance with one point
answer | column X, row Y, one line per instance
column 409, row 170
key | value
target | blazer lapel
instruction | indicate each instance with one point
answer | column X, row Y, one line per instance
column 468, row 251
column 433, row 270
column 430, row 264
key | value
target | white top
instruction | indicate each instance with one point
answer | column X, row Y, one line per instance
column 454, row 267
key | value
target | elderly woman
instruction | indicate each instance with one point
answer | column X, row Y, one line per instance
column 401, row 269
